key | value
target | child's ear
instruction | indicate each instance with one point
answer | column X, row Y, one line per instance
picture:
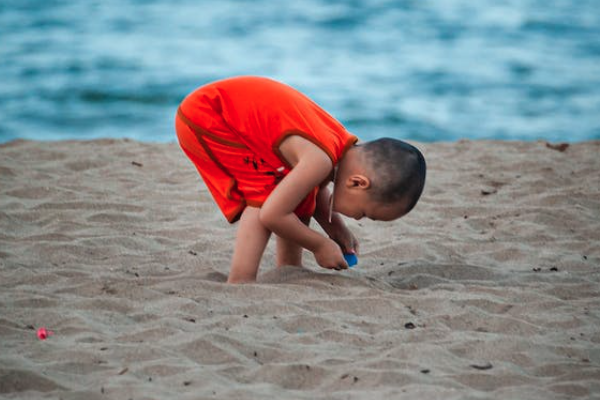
column 358, row 181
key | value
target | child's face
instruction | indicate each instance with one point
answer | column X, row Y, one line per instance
column 358, row 204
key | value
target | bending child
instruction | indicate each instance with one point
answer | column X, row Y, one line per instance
column 267, row 153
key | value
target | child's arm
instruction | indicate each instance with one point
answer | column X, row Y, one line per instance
column 311, row 166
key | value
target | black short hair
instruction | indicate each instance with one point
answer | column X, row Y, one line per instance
column 399, row 171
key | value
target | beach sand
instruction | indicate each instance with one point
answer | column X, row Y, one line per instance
column 488, row 289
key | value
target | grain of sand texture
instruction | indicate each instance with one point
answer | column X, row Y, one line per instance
column 489, row 289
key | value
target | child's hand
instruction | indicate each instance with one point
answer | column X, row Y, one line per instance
column 329, row 255
column 345, row 239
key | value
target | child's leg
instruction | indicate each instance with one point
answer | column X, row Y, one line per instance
column 250, row 243
column 289, row 253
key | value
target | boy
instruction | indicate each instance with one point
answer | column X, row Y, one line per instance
column 267, row 152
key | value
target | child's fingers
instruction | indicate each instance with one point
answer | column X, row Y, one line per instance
column 344, row 266
column 341, row 264
column 352, row 247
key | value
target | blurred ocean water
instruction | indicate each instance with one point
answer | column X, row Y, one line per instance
column 427, row 70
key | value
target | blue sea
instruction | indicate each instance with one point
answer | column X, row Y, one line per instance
column 425, row 70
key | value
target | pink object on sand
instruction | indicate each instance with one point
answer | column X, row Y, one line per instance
column 43, row 333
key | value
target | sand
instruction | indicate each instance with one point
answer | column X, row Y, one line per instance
column 489, row 289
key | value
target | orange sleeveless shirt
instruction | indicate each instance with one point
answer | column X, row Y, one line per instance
column 231, row 130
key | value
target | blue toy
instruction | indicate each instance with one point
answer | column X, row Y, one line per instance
column 351, row 259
